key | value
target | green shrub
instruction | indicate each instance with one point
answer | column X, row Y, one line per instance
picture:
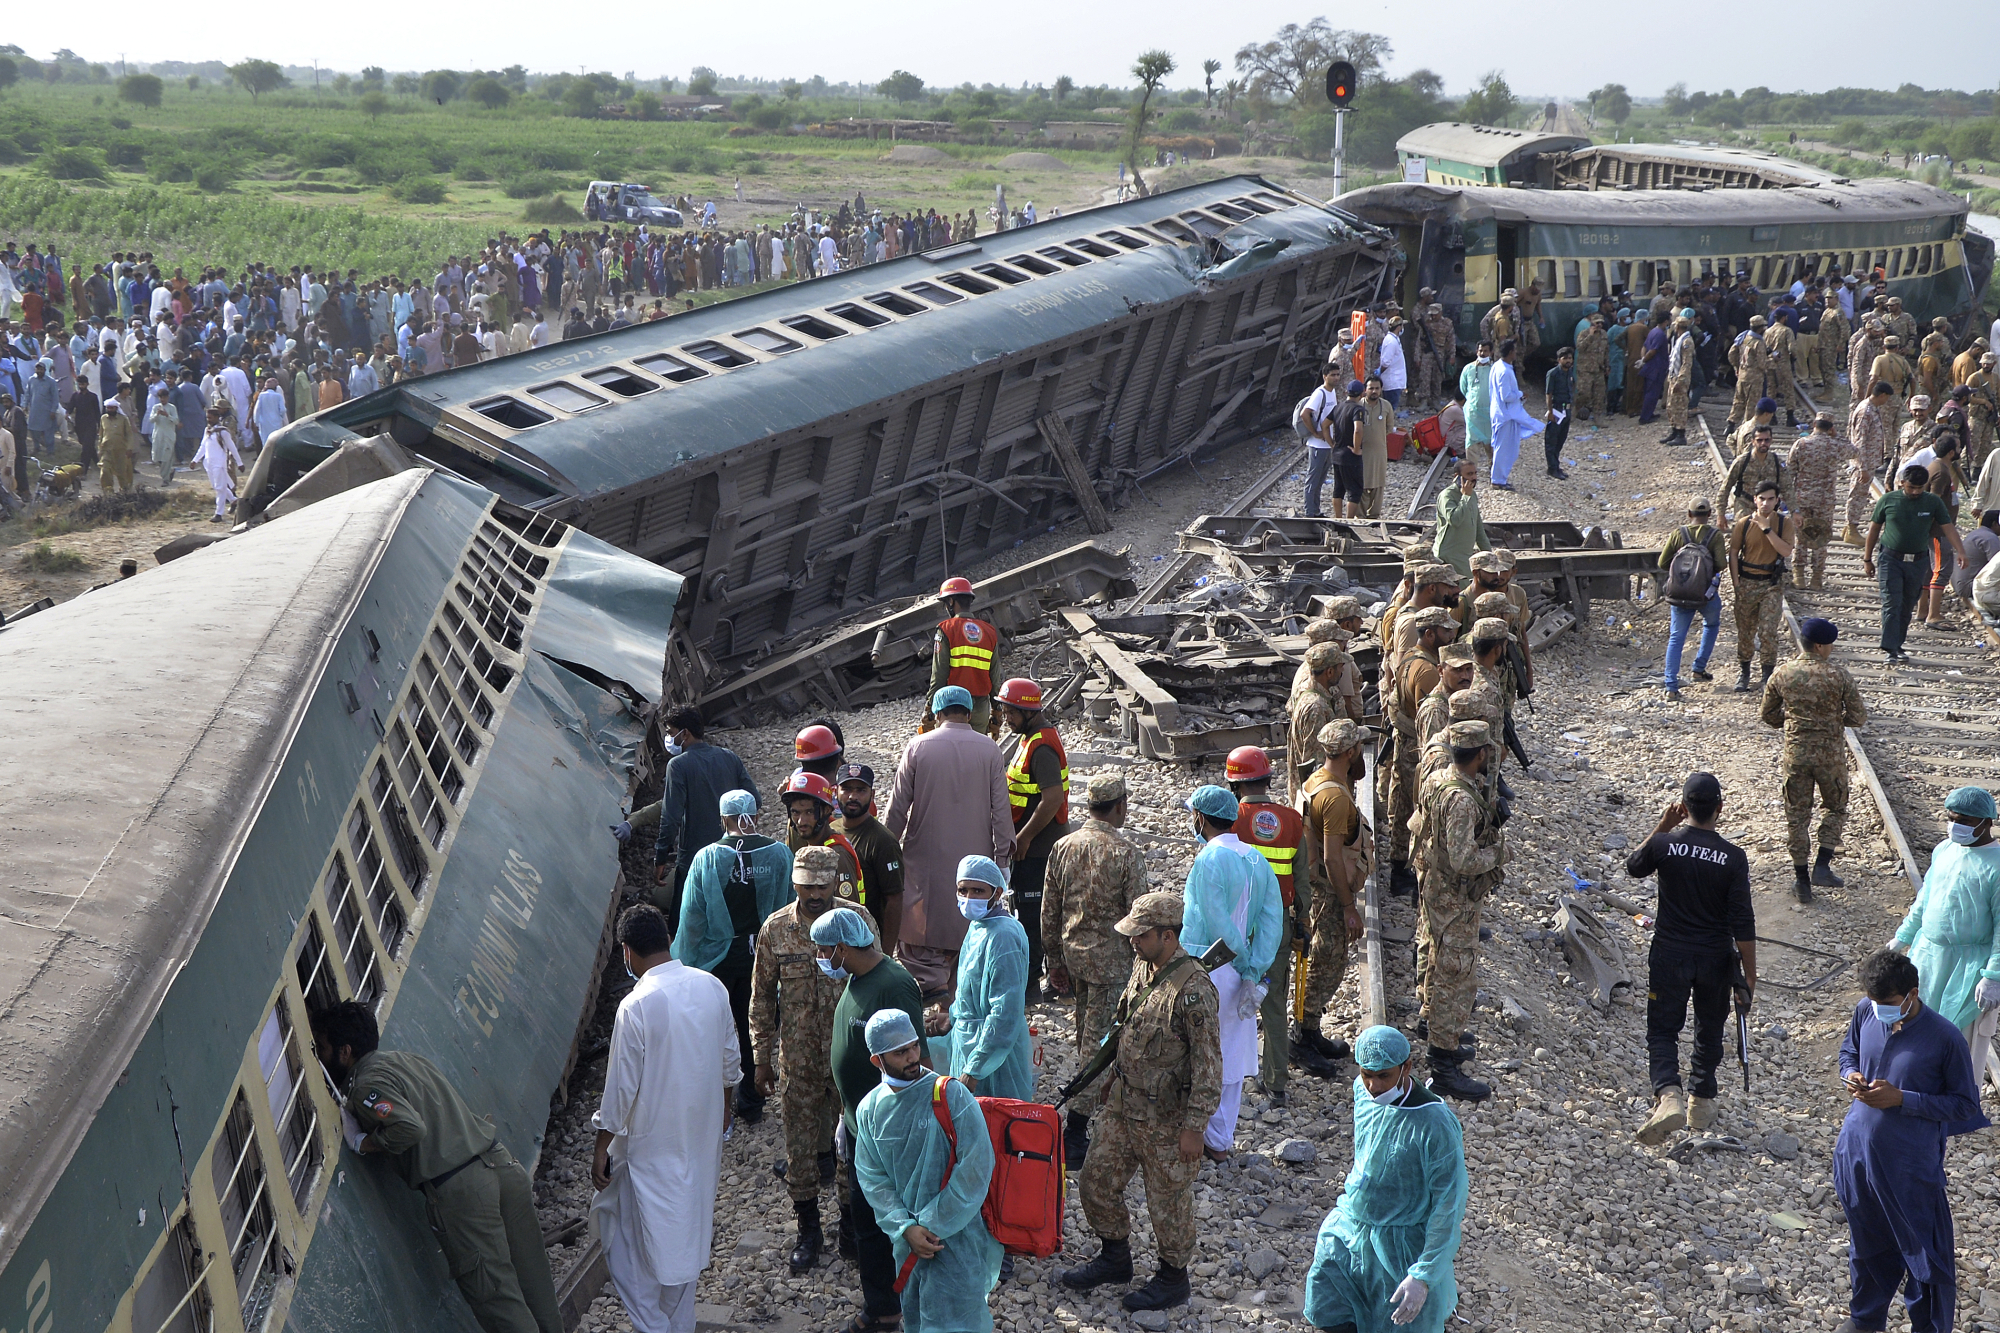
column 1182, row 120
column 753, row 167
column 169, row 168
column 46, row 559
column 474, row 169
column 214, row 178
column 558, row 159
column 970, row 183
column 553, row 209
column 769, row 117
column 73, row 164
column 415, row 189
column 680, row 163
column 127, row 153
column 11, row 150
column 530, row 186
column 325, row 187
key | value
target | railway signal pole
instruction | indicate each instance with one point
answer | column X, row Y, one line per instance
column 1340, row 93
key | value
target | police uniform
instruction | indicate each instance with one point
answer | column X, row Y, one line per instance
column 1277, row 832
column 478, row 1199
column 1094, row 876
column 1166, row 1079
column 1463, row 860
column 1814, row 701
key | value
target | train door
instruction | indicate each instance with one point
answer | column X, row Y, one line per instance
column 1512, row 246
column 1440, row 262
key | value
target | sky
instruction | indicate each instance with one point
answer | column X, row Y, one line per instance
column 1725, row 43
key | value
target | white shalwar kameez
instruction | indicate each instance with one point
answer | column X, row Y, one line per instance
column 673, row 1051
column 217, row 452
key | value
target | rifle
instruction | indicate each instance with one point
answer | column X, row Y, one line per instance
column 1513, row 740
column 1217, row 955
column 1740, row 994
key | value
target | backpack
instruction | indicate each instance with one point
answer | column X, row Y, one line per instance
column 1690, row 572
column 1024, row 1200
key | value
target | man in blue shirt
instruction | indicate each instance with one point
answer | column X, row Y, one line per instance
column 690, row 810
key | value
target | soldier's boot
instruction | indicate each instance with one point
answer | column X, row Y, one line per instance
column 1112, row 1264
column 1790, row 419
column 1702, row 1113
column 1402, row 880
column 1676, row 436
column 1822, row 871
column 1316, row 1055
column 1669, row 1117
column 1819, row 580
column 1765, row 679
column 845, row 1243
column 1742, row 685
column 1467, row 1043
column 805, row 1254
column 1168, row 1288
column 1076, row 1139
column 1850, row 536
column 1801, row 884
column 1448, row 1080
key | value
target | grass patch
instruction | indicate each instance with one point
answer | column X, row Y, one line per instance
column 46, row 559
column 970, row 182
column 551, row 209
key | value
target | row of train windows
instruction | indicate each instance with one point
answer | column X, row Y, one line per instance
column 376, row 877
column 697, row 360
column 1588, row 279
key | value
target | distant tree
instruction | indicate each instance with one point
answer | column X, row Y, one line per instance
column 1675, row 103
column 52, row 72
column 259, row 76
column 817, row 86
column 1064, row 86
column 31, row 68
column 1231, row 91
column 373, row 79
column 1492, row 102
column 1292, row 65
column 581, row 99
column 489, row 92
column 100, row 73
column 404, row 85
column 668, row 83
column 342, row 84
column 515, row 77
column 790, row 90
column 144, row 89
column 440, row 85
column 373, row 103
column 646, row 106
column 10, row 73
column 701, row 83
column 1151, row 70
column 901, row 86
column 1209, row 69
column 1612, row 102
column 194, row 83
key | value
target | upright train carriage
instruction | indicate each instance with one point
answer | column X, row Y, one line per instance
column 354, row 753
column 811, row 449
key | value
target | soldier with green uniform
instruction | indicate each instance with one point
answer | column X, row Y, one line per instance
column 479, row 1201
column 1752, row 468
column 791, row 1036
column 1463, row 857
column 1752, row 360
column 1834, row 331
column 1455, row 672
column 1816, row 464
column 1416, row 676
column 1681, row 351
column 1095, row 875
column 1593, row 362
column 1340, row 855
column 1815, row 701
column 1312, row 709
column 1778, row 341
column 1346, row 690
column 1162, row 1088
column 1758, row 546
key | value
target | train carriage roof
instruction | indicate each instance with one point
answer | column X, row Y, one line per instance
column 1483, row 145
column 1878, row 200
column 631, row 439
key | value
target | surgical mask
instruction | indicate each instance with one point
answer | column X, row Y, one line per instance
column 1962, row 834
column 1390, row 1097
column 833, row 973
column 897, row 1084
column 1888, row 1014
column 1485, row 360
column 674, row 747
column 975, row 909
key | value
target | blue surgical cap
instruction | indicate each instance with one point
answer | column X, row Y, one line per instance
column 951, row 696
column 1381, row 1048
column 1215, row 802
column 981, row 870
column 889, row 1030
column 1972, row 802
column 738, row 802
column 843, row 925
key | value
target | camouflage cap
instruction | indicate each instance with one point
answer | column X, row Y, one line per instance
column 1892, row 341
column 1489, row 629
column 1341, row 735
column 1161, row 907
column 1416, row 557
column 1106, row 788
column 1322, row 630
column 1456, row 652
column 1920, row 402
column 1322, row 657
column 1345, row 607
column 1484, row 562
column 1469, row 735
column 1436, row 574
column 815, row 865
column 1493, row 604
column 1430, row 617
column 1757, row 321
column 1466, row 703
column 1506, row 558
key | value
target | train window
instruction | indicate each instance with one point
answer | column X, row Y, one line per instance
column 1596, row 287
column 1244, row 201
column 965, row 282
column 173, row 1297
column 395, row 816
column 1572, row 279
column 292, row 1109
column 933, row 293
column 896, row 303
column 1148, row 234
column 237, row 1170
column 766, row 341
column 813, row 327
column 1203, row 224
column 1640, row 282
column 1002, row 273
column 1760, row 272
column 1175, row 230
column 717, row 354
column 1066, row 257
column 403, row 750
column 511, row 413
column 1230, row 211
column 314, row 966
column 1119, row 238
column 1895, row 263
column 1276, row 201
column 624, row 383
column 859, row 315
column 1923, row 259
column 357, row 955
column 1545, row 273
column 1039, row 267
column 670, row 368
column 463, row 682
column 488, row 667
column 375, row 887
column 1090, row 247
column 567, row 397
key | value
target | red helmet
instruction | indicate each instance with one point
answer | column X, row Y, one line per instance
column 815, row 743
column 1021, row 693
column 803, row 783
column 955, row 588
column 1247, row 763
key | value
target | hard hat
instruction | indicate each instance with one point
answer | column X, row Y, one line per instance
column 955, row 588
column 815, row 743
column 1021, row 693
column 1247, row 763
column 803, row 783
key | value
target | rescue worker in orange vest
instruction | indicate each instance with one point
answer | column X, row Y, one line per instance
column 1278, row 832
column 810, row 804
column 962, row 655
column 1038, row 793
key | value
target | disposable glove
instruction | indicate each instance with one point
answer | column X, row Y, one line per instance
column 622, row 831
column 350, row 1130
column 1248, row 998
column 1988, row 993
column 1896, row 946
column 1409, row 1299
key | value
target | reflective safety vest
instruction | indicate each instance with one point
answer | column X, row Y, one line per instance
column 1022, row 793
column 1275, row 831
column 851, row 887
column 971, row 643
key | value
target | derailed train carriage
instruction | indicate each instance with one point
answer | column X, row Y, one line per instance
column 812, row 449
column 345, row 755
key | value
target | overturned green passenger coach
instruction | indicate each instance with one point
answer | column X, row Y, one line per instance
column 354, row 753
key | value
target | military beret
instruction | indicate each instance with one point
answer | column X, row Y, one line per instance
column 1340, row 735
column 1485, row 562
column 1431, row 617
column 1161, row 907
column 1106, row 788
column 1322, row 657
column 815, row 865
column 1322, row 630
column 1489, row 629
column 1430, row 575
column 1345, row 607
column 1767, row 406
column 1469, row 735
column 1817, row 629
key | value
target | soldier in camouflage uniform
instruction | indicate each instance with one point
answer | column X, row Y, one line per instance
column 1680, row 380
column 1891, row 369
column 1444, row 341
column 1340, row 855
column 1095, row 875
column 1901, row 323
column 1834, row 333
column 1752, row 360
column 1455, row 672
column 1816, row 463
column 1157, row 1098
column 1814, row 700
column 1778, row 340
column 791, row 1037
column 1346, row 691
column 1593, row 363
column 1868, row 427
column 1982, row 411
column 1463, row 857
column 1416, row 676
column 1313, row 709
column 1757, row 543
column 1934, row 360
column 1752, row 469
column 1915, row 433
